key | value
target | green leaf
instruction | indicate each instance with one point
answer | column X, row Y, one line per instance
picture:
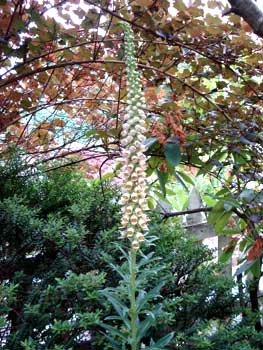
column 114, row 343
column 172, row 153
column 217, row 211
column 243, row 268
column 255, row 268
column 96, row 133
column 118, row 305
column 119, row 271
column 146, row 259
column 165, row 340
column 185, row 177
column 222, row 192
column 227, row 253
column 228, row 206
column 247, row 195
column 114, row 331
column 222, row 222
column 145, row 325
column 151, row 203
column 150, row 141
column 162, row 177
column 178, row 177
column 160, row 195
column 144, row 297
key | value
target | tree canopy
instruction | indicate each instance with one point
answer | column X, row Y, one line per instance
column 201, row 74
column 63, row 85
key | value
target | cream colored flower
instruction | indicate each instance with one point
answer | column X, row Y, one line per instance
column 128, row 210
column 133, row 219
column 138, row 211
column 125, row 197
column 129, row 185
column 135, row 244
column 134, row 177
column 139, row 237
column 124, row 223
column 130, row 232
column 134, row 197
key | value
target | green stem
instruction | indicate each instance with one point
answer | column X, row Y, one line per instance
column 133, row 311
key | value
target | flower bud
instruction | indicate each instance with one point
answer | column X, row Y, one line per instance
column 141, row 137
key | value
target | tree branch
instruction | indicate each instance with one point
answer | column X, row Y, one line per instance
column 250, row 12
column 185, row 212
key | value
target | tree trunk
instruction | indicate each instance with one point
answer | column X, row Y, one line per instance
column 253, row 295
column 250, row 12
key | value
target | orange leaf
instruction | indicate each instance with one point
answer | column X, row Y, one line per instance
column 246, row 27
column 57, row 122
column 144, row 2
column 256, row 250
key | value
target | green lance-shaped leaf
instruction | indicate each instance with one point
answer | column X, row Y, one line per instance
column 185, row 177
column 179, row 178
column 114, row 331
column 163, row 178
column 164, row 341
column 145, row 326
column 118, row 305
column 115, row 344
column 161, row 343
column 222, row 222
column 144, row 297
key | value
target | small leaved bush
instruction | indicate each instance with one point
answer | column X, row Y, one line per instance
column 53, row 233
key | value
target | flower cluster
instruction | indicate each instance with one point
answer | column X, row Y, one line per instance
column 134, row 187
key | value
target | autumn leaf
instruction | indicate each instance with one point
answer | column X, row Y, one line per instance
column 57, row 122
column 144, row 2
column 256, row 250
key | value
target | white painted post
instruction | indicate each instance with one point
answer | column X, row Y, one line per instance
column 196, row 223
column 197, row 226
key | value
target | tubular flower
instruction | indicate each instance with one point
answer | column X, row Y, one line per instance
column 133, row 175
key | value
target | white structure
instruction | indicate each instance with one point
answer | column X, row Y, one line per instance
column 197, row 226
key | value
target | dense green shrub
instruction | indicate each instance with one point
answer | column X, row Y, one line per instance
column 54, row 227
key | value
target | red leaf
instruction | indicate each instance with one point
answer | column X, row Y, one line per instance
column 256, row 250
